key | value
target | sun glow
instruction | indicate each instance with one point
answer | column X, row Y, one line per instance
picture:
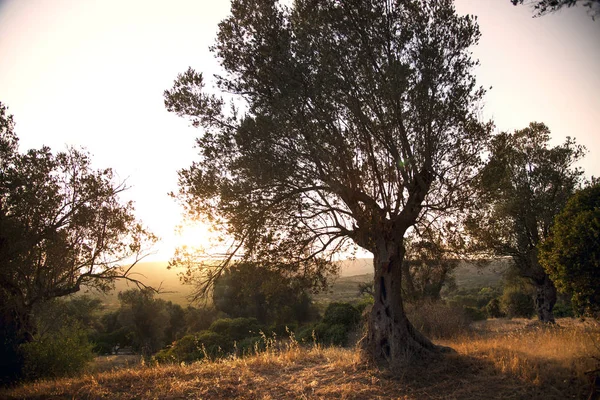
column 196, row 235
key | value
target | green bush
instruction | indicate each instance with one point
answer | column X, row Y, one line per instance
column 493, row 309
column 475, row 314
column 250, row 345
column 61, row 353
column 281, row 330
column 341, row 314
column 185, row 349
column 563, row 309
column 364, row 303
column 196, row 347
column 335, row 335
column 517, row 304
column 305, row 334
column 236, row 328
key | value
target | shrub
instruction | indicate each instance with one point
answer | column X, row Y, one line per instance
column 335, row 335
column 474, row 314
column 281, row 330
column 516, row 304
column 563, row 309
column 305, row 334
column 493, row 309
column 250, row 345
column 341, row 314
column 236, row 328
column 437, row 320
column 196, row 347
column 61, row 353
column 185, row 349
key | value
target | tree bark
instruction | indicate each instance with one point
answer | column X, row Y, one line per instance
column 545, row 299
column 391, row 339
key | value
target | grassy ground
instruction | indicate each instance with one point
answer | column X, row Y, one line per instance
column 496, row 360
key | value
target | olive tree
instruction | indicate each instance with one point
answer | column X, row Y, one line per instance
column 543, row 7
column 522, row 188
column 62, row 227
column 334, row 124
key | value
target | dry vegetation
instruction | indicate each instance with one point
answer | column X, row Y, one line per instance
column 497, row 360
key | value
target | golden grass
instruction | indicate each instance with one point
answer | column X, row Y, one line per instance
column 499, row 360
column 551, row 356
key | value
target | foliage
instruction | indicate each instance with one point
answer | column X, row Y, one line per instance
column 339, row 320
column 199, row 318
column 477, row 298
column 252, row 291
column 342, row 314
column 475, row 314
column 86, row 310
column 431, row 258
column 196, row 347
column 58, row 353
column 62, row 227
column 523, row 186
column 348, row 122
column 251, row 345
column 564, row 308
column 236, row 328
column 222, row 338
column 493, row 309
column 145, row 318
column 543, row 7
column 571, row 254
column 176, row 327
column 516, row 304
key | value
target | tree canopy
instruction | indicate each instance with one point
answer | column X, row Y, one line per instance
column 571, row 253
column 523, row 186
column 62, row 226
column 251, row 291
column 350, row 121
column 543, row 7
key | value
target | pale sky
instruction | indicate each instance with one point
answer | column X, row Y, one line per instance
column 91, row 73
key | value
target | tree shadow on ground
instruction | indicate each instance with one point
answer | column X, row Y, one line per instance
column 459, row 376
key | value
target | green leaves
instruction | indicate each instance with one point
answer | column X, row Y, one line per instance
column 571, row 254
column 62, row 225
column 355, row 115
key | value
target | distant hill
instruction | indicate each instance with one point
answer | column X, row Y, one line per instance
column 467, row 275
column 344, row 287
column 153, row 274
column 358, row 266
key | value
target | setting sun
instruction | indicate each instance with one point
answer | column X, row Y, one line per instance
column 194, row 235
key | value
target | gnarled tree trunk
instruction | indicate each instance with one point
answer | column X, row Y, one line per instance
column 391, row 339
column 545, row 299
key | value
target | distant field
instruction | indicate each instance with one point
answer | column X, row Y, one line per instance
column 468, row 276
column 153, row 274
column 343, row 289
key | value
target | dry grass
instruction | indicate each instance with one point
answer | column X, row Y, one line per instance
column 555, row 357
column 500, row 360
